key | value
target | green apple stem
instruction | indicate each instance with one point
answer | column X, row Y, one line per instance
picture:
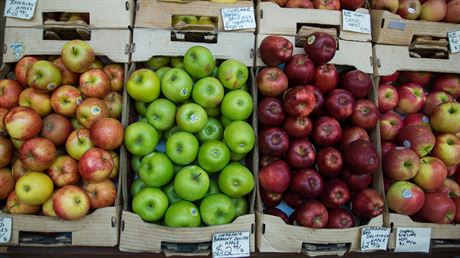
column 195, row 177
column 78, row 137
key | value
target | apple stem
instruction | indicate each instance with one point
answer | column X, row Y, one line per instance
column 195, row 177
column 78, row 137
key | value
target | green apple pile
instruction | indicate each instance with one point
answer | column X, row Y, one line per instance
column 190, row 142
column 59, row 133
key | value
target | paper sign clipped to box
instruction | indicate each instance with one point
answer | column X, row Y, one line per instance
column 21, row 9
column 356, row 21
column 6, row 225
column 374, row 238
column 413, row 240
column 454, row 41
column 238, row 18
column 230, row 244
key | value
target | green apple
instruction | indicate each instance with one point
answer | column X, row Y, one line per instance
column 156, row 62
column 239, row 137
column 140, row 138
column 150, row 204
column 245, row 87
column 182, row 148
column 215, row 71
column 213, row 188
column 175, row 129
column 141, row 107
column 237, row 156
column 191, row 117
column 171, row 193
column 237, row 105
column 225, row 121
column 213, row 112
column 177, row 85
column 213, row 130
column 78, row 143
column 162, row 71
column 191, row 183
column 241, row 206
column 213, row 156
column 136, row 186
column 177, row 62
column 186, row 19
column 208, row 92
column 205, row 20
column 199, row 61
column 233, row 74
column 77, row 56
column 76, row 124
column 161, row 114
column 136, row 162
column 143, row 85
column 217, row 209
column 182, row 214
column 156, row 170
column 235, row 180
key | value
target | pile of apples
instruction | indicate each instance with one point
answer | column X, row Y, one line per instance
column 320, row 4
column 190, row 142
column 315, row 150
column 58, row 121
column 420, row 130
column 428, row 10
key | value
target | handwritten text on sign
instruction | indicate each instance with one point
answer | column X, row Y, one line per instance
column 230, row 244
column 454, row 41
column 22, row 9
column 5, row 229
column 413, row 240
column 238, row 18
column 356, row 21
column 374, row 238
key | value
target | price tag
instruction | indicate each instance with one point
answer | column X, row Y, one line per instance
column 413, row 240
column 356, row 21
column 238, row 18
column 374, row 238
column 454, row 41
column 5, row 229
column 21, row 9
column 230, row 244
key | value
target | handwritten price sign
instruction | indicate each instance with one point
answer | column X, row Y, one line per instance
column 413, row 240
column 230, row 244
column 374, row 238
column 238, row 18
column 454, row 41
column 356, row 21
column 5, row 229
column 22, row 9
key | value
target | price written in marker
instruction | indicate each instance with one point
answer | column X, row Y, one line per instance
column 413, row 240
column 230, row 244
column 21, row 9
column 5, row 229
column 356, row 21
column 238, row 18
column 374, row 238
column 454, row 41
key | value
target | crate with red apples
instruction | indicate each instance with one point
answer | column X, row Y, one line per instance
column 420, row 133
column 318, row 144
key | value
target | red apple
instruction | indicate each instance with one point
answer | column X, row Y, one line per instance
column 65, row 100
column 388, row 97
column 22, row 123
column 453, row 10
column 400, row 163
column 7, row 183
column 330, row 162
column 116, row 75
column 351, row 134
column 433, row 10
column 277, row 212
column 71, row 202
column 21, row 68
column 356, row 181
column 91, row 110
column 292, row 199
column 307, row 183
column 95, row 165
column 438, row 208
column 417, row 137
column 94, row 83
column 339, row 104
column 409, row 9
column 416, row 119
column 298, row 127
column 15, row 206
column 107, row 133
column 351, row 4
column 386, row 146
column 299, row 4
column 300, row 154
column 434, row 99
column 6, row 151
column 312, row 214
column 336, row 193
column 367, row 203
column 270, row 112
column 340, row 218
column 270, row 199
column 299, row 69
column 281, row 3
column 272, row 82
column 449, row 83
column 326, row 131
column 361, row 156
column 388, row 79
column 266, row 160
column 327, row 4
column 275, row 178
column 298, row 101
column 9, row 93
column 320, row 46
column 3, row 112
column 451, row 170
column 101, row 194
column 18, row 169
column 318, row 107
column 114, row 102
column 405, row 198
column 56, row 128
column 421, row 78
column 390, row 125
column 37, row 154
column 358, row 83
column 365, row 114
column 37, row 100
column 447, row 148
column 450, row 187
column 411, row 98
column 326, row 77
column 64, row 171
column 431, row 174
column 273, row 141
column 275, row 50
column 68, row 77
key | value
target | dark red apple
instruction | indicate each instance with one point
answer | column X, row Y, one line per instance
column 358, row 83
column 307, row 4
column 340, row 218
column 367, row 203
column 277, row 212
column 326, row 131
column 298, row 127
column 356, row 181
column 318, row 108
column 307, row 183
column 365, row 114
column 389, row 78
column 386, row 146
column 416, row 119
column 273, row 141
column 326, row 78
column 275, row 178
column 292, row 199
column 312, row 214
column 339, row 104
column 361, row 156
column 351, row 134
column 298, row 101
column 270, row 199
column 336, row 193
column 270, row 112
column 266, row 160
column 299, row 69
column 272, row 82
column 421, row 78
column 320, row 47
column 351, row 4
column 275, row 50
column 388, row 97
column 300, row 154
column 330, row 162
column 438, row 208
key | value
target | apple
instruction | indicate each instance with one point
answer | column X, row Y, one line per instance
column 405, row 198
column 358, row 83
column 116, row 164
column 273, row 141
column 44, row 75
column 3, row 112
column 312, row 214
column 16, row 206
column 457, row 210
column 438, row 208
column 266, row 160
column 182, row 148
column 433, row 99
column 329, row 161
column 77, row 56
column 388, row 97
column 71, row 202
column 65, row 100
column 6, row 151
column 419, row 138
column 90, row 110
column 293, row 200
column 434, row 10
column 213, row 130
column 275, row 177
column 351, row 134
column 325, row 78
column 9, row 93
column 68, row 77
column 150, row 204
column 56, row 128
column 143, row 85
column 213, row 188
column 275, row 50
column 37, row 100
column 298, row 101
column 199, row 61
column 361, row 156
column 327, row 4
column 300, row 154
column 340, row 218
column 339, row 104
column 299, row 69
column 94, row 83
column 156, row 170
column 367, row 203
column 34, row 188
column 320, row 46
column 297, row 127
column 356, row 181
column 443, row 115
column 351, row 4
column 101, row 194
column 318, row 107
column 270, row 112
column 114, row 102
column 411, row 98
column 271, row 81
column 237, row 105
column 191, row 183
column 185, row 19
column 7, row 183
column 37, row 154
column 47, row 208
column 336, row 193
column 116, row 75
column 400, row 163
column 78, row 142
column 156, row 62
column 299, row 4
column 447, row 148
column 307, row 183
column 213, row 156
column 20, row 70
column 182, row 214
column 277, row 212
column 217, row 209
column 267, row 198
column 161, row 114
column 168, row 189
column 326, row 131
column 452, row 12
column 421, row 78
column 177, row 62
column 64, row 171
column 208, row 92
column 239, row 137
column 233, row 74
column 409, row 9
column 95, row 165
column 450, row 187
column 18, row 169
column 107, row 133
column 431, row 174
column 235, row 180
column 365, row 114
column 390, row 125
column 417, row 119
column 176, row 85
column 22, row 123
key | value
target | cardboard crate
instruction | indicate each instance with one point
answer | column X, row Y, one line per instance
column 396, row 58
column 276, row 20
column 139, row 236
column 389, row 28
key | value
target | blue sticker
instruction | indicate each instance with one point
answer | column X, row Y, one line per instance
column 18, row 49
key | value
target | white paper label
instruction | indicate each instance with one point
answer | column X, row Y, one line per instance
column 238, row 18
column 374, row 238
column 454, row 41
column 413, row 240
column 22, row 9
column 5, row 229
column 230, row 244
column 356, row 21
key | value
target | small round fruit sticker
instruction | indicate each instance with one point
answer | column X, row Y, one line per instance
column 311, row 40
column 95, row 110
column 411, row 10
column 193, row 211
column 51, row 86
column 79, row 100
column 406, row 144
column 183, row 92
column 407, row 194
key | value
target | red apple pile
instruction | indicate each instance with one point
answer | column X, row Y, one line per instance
column 420, row 130
column 320, row 4
column 60, row 131
column 314, row 144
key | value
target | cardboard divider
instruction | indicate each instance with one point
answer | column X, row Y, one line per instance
column 389, row 28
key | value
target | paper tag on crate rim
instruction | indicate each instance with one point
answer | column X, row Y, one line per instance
column 356, row 21
column 238, row 18
column 231, row 244
column 454, row 41
column 21, row 9
column 374, row 238
column 6, row 225
column 413, row 240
